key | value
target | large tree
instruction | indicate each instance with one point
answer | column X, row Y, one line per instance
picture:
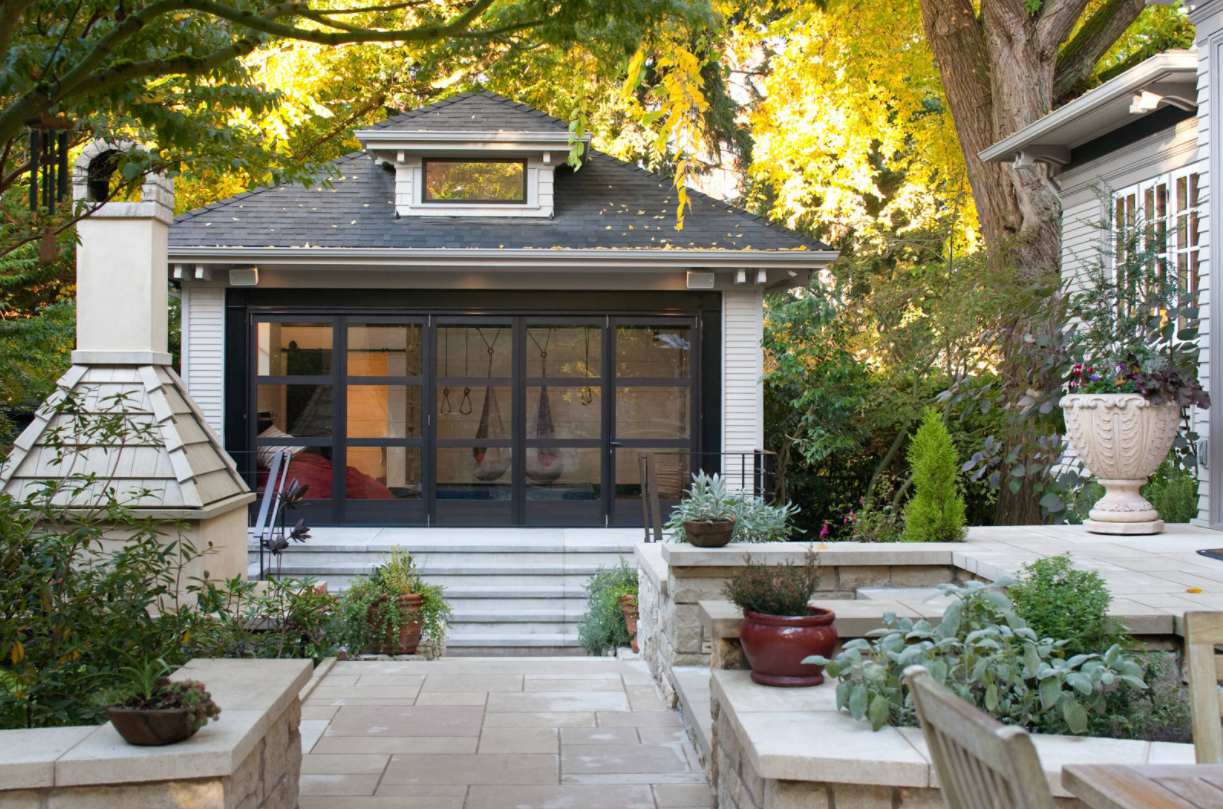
column 180, row 75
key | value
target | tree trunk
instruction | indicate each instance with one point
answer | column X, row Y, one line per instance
column 998, row 71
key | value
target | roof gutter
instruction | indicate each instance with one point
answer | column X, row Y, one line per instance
column 1042, row 138
column 515, row 259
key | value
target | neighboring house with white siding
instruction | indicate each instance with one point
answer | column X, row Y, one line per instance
column 462, row 328
column 1130, row 154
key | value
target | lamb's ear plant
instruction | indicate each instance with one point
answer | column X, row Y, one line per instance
column 707, row 500
column 984, row 653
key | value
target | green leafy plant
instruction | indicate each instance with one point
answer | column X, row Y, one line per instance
column 1173, row 490
column 774, row 589
column 936, row 511
column 368, row 612
column 1058, row 601
column 602, row 628
column 984, row 652
column 876, row 524
column 707, row 500
column 149, row 688
column 275, row 618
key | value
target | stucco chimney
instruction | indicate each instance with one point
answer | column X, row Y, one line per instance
column 172, row 466
column 121, row 261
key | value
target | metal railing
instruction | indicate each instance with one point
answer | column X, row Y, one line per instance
column 666, row 474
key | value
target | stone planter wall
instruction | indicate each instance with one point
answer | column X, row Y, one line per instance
column 248, row 759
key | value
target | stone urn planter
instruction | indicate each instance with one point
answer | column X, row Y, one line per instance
column 407, row 639
column 628, row 607
column 1122, row 439
column 709, row 533
column 776, row 645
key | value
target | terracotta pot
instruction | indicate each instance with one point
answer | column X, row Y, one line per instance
column 1122, row 439
column 709, row 533
column 409, row 625
column 628, row 606
column 152, row 727
column 775, row 646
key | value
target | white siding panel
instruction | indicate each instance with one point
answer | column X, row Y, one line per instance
column 742, row 374
column 204, row 351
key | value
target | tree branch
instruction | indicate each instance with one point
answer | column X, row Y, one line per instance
column 188, row 65
column 1078, row 58
column 1057, row 20
column 9, row 21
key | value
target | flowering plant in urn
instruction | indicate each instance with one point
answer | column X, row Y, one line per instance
column 1133, row 379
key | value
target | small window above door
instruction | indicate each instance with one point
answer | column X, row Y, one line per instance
column 475, row 181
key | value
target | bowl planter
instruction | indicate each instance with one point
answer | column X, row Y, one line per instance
column 149, row 727
column 407, row 639
column 1122, row 439
column 709, row 533
column 628, row 606
column 775, row 646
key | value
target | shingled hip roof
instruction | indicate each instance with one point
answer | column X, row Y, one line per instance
column 606, row 204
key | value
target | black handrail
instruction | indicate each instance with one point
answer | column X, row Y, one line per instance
column 763, row 477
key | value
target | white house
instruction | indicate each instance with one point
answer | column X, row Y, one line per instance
column 1137, row 149
column 464, row 329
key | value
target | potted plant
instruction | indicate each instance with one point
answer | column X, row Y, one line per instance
column 780, row 629
column 159, row 710
column 605, row 626
column 1132, row 378
column 628, row 608
column 706, row 515
column 393, row 610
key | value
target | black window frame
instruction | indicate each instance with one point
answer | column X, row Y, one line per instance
column 426, row 199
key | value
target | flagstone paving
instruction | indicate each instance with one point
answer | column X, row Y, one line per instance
column 496, row 733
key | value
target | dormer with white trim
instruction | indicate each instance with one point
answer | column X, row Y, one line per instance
column 476, row 154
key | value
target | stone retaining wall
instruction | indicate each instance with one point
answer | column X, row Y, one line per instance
column 250, row 758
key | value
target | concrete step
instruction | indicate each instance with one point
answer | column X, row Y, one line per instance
column 509, row 630
column 318, row 557
column 460, row 639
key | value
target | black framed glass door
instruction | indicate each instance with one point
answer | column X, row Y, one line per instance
column 470, row 420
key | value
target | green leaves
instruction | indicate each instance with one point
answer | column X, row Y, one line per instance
column 985, row 653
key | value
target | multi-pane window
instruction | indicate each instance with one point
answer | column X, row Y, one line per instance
column 1157, row 220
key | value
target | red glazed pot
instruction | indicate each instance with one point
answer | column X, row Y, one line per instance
column 775, row 646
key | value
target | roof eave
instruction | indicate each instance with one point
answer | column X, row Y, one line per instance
column 510, row 259
column 1055, row 133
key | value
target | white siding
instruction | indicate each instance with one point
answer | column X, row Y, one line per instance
column 204, row 351
column 742, row 373
column 1209, row 41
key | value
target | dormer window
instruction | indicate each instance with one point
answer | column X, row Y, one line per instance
column 459, row 180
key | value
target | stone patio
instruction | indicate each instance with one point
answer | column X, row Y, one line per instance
column 505, row 733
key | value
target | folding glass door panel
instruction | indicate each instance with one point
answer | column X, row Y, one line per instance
column 474, row 412
column 383, row 418
column 653, row 408
column 564, row 433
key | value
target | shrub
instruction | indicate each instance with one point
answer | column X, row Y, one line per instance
column 985, row 653
column 1058, row 601
column 602, row 628
column 275, row 618
column 774, row 589
column 876, row 524
column 1174, row 493
column 936, row 512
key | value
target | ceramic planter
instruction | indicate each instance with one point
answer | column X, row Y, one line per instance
column 775, row 646
column 1122, row 439
column 152, row 727
column 709, row 533
column 628, row 607
column 409, row 633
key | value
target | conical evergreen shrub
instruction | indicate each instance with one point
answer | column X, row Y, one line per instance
column 936, row 512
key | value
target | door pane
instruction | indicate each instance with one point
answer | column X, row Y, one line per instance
column 383, row 473
column 383, row 411
column 475, row 351
column 659, row 352
column 653, row 412
column 309, row 466
column 384, row 349
column 475, row 413
column 295, row 410
column 474, row 473
column 292, row 349
column 564, row 351
column 564, row 412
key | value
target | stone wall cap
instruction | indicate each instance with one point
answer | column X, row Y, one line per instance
column 829, row 553
column 252, row 694
column 651, row 564
column 777, row 729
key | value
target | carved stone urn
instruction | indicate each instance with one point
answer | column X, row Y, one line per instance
column 1122, row 439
